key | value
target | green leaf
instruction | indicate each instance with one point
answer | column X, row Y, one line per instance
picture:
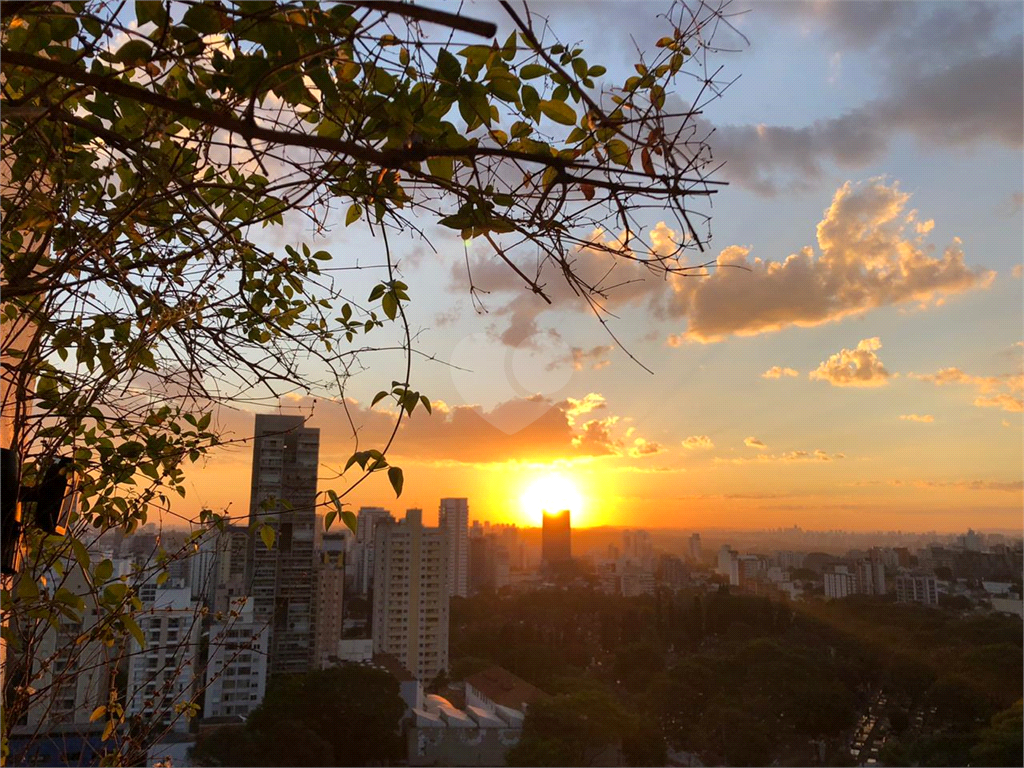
column 378, row 397
column 149, row 11
column 426, row 402
column 27, row 588
column 267, row 535
column 349, row 518
column 530, row 71
column 133, row 629
column 397, row 479
column 448, row 68
column 390, row 305
column 442, row 167
column 558, row 111
column 134, row 51
column 618, row 152
column 103, row 572
column 354, row 212
column 203, row 18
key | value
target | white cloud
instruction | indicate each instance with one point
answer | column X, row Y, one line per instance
column 858, row 367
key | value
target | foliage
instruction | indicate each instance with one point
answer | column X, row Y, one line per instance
column 1003, row 742
column 142, row 161
column 572, row 729
column 347, row 715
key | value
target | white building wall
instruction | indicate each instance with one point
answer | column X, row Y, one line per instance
column 453, row 519
column 236, row 670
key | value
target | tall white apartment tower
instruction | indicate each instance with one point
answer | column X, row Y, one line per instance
column 367, row 521
column 410, row 597
column 453, row 519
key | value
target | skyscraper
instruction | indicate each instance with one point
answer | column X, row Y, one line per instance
column 410, row 601
column 367, row 521
column 696, row 555
column 453, row 519
column 283, row 577
column 556, row 539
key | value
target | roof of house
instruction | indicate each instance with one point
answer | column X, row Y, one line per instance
column 394, row 667
column 502, row 687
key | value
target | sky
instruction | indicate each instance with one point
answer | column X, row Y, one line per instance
column 863, row 372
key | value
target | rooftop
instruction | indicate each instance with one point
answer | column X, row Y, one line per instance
column 502, row 687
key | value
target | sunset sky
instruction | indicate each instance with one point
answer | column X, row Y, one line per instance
column 865, row 373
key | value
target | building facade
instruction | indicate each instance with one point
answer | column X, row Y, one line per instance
column 917, row 588
column 161, row 675
column 283, row 577
column 453, row 519
column 330, row 594
column 410, row 600
column 236, row 667
column 556, row 538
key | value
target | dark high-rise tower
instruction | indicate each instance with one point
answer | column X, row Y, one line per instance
column 283, row 578
column 556, row 542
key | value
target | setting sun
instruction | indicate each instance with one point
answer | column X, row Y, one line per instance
column 552, row 493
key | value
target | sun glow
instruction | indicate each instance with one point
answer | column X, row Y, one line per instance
column 552, row 493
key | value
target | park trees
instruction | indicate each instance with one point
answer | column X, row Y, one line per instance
column 146, row 147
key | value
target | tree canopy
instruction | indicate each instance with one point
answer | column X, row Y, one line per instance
column 142, row 157
column 347, row 715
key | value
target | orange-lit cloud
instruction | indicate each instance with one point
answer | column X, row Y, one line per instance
column 642, row 447
column 858, row 367
column 695, row 442
column 590, row 402
column 871, row 255
column 926, row 418
column 777, row 372
column 988, row 394
column 789, row 456
column 753, row 442
column 595, row 358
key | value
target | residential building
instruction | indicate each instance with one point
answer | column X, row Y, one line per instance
column 696, row 554
column 73, row 678
column 161, row 675
column 726, row 555
column 330, row 592
column 236, row 667
column 556, row 538
column 871, row 577
column 367, row 521
column 410, row 601
column 917, row 588
column 453, row 519
column 282, row 577
column 840, row 583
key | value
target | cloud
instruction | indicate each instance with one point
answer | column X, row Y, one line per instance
column 775, row 372
column 870, row 256
column 1002, row 400
column 617, row 273
column 595, row 357
column 1018, row 270
column 1005, row 392
column 698, row 442
column 753, row 442
column 771, row 159
column 858, row 367
column 596, row 434
column 590, row 402
column 926, row 418
column 818, row 456
column 1014, row 486
column 643, row 447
